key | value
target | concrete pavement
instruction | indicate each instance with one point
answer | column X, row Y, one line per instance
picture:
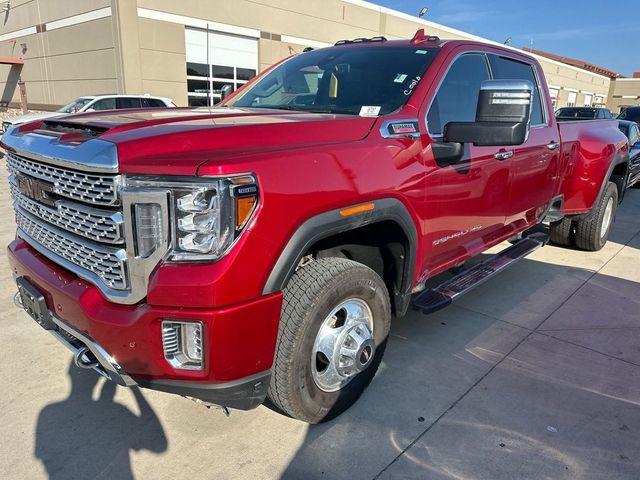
column 534, row 375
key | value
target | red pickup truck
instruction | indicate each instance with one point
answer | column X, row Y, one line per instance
column 261, row 247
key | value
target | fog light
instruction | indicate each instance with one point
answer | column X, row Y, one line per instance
column 182, row 344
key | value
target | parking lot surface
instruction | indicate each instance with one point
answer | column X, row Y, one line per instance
column 536, row 374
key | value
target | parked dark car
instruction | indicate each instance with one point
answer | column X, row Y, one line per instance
column 582, row 113
column 632, row 131
column 631, row 114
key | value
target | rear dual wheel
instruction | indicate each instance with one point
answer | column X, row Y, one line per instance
column 333, row 332
column 561, row 232
column 593, row 232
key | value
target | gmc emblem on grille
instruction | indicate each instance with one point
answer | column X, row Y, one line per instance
column 35, row 189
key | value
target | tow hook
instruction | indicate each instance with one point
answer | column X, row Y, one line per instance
column 225, row 410
column 82, row 358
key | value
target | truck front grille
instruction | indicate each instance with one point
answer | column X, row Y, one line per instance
column 100, row 225
column 108, row 264
column 85, row 187
column 72, row 217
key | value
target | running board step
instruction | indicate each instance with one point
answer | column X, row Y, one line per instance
column 437, row 298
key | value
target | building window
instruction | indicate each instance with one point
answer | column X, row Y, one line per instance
column 587, row 100
column 571, row 101
column 553, row 93
column 216, row 59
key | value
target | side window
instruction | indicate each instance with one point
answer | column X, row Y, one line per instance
column 504, row 68
column 457, row 97
column 635, row 134
column 152, row 103
column 128, row 102
column 104, row 104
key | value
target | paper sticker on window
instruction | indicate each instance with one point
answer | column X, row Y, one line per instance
column 400, row 78
column 369, row 111
column 421, row 52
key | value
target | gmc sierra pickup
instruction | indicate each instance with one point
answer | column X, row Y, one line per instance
column 262, row 247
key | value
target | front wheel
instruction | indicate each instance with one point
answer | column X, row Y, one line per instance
column 335, row 321
column 592, row 233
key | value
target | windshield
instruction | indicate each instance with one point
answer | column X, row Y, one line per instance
column 577, row 112
column 75, row 106
column 632, row 114
column 624, row 129
column 369, row 81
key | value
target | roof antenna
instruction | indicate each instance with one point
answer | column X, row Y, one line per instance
column 421, row 37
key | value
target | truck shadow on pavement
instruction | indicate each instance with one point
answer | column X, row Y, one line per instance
column 83, row 437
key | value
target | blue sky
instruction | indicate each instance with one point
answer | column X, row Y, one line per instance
column 603, row 32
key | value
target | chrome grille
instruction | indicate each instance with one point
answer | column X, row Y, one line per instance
column 89, row 188
column 108, row 264
column 100, row 225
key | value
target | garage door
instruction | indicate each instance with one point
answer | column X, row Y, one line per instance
column 215, row 59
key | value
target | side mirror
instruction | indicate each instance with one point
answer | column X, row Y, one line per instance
column 225, row 91
column 502, row 118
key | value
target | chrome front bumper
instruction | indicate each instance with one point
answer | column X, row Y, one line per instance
column 86, row 353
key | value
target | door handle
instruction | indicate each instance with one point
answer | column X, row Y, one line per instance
column 504, row 154
column 553, row 145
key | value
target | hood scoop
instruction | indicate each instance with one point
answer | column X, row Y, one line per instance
column 69, row 132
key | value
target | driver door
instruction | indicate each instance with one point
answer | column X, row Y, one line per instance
column 466, row 203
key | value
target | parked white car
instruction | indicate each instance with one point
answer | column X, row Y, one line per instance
column 92, row 103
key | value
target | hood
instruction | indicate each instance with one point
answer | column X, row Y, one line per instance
column 30, row 117
column 176, row 141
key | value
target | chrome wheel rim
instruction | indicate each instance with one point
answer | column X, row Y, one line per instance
column 344, row 345
column 606, row 220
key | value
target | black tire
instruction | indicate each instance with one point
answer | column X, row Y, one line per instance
column 589, row 231
column 309, row 297
column 561, row 232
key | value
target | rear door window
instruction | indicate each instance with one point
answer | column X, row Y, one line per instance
column 104, row 104
column 457, row 97
column 504, row 68
column 152, row 103
column 128, row 102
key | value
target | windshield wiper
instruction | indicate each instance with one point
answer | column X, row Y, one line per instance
column 309, row 109
column 278, row 107
column 333, row 111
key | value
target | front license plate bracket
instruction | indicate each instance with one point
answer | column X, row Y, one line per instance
column 34, row 304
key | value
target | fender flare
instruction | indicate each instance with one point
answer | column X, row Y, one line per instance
column 618, row 159
column 331, row 223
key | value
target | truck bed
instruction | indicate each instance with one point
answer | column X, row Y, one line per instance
column 584, row 162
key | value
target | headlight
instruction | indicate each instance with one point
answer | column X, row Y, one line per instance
column 206, row 215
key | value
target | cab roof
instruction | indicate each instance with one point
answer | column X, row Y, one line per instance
column 421, row 39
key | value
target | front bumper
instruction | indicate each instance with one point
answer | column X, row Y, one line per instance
column 125, row 340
